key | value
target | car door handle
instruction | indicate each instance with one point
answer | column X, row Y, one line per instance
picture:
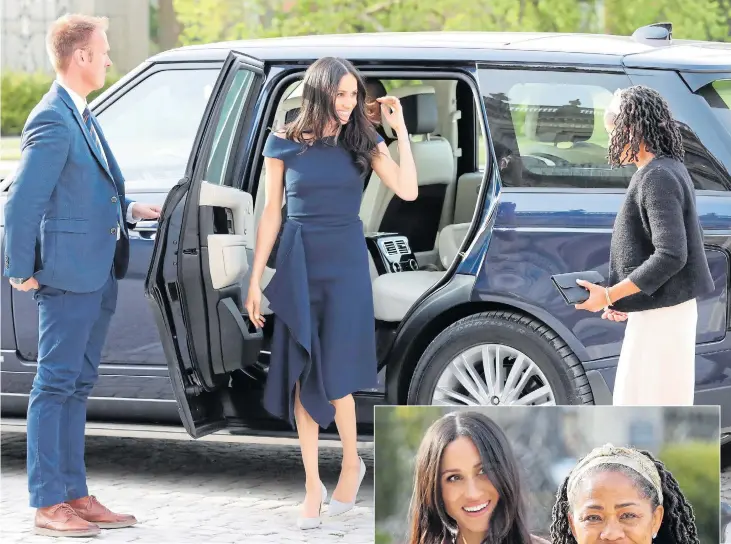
column 146, row 226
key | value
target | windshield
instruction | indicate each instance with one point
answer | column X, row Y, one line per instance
column 718, row 96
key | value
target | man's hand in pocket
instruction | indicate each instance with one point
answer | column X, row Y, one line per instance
column 27, row 285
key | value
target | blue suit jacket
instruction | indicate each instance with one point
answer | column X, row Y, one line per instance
column 61, row 214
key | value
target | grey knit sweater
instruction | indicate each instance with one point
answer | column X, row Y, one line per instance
column 657, row 240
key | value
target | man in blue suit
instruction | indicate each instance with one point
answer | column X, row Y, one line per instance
column 66, row 238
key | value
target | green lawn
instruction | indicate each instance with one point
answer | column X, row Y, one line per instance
column 10, row 148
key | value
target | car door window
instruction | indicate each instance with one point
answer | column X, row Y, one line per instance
column 548, row 127
column 548, row 130
column 152, row 126
column 220, row 168
column 718, row 97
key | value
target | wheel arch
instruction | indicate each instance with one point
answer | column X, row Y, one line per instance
column 401, row 363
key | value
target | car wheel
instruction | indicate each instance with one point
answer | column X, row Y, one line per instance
column 496, row 358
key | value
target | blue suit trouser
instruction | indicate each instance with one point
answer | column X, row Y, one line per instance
column 72, row 331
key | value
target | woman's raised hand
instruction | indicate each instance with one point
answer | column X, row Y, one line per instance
column 392, row 112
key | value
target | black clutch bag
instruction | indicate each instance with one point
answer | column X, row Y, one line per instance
column 572, row 292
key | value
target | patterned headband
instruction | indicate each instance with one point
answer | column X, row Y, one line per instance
column 620, row 456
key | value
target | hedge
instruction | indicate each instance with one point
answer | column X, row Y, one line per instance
column 21, row 91
column 695, row 466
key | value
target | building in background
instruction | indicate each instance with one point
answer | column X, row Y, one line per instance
column 25, row 23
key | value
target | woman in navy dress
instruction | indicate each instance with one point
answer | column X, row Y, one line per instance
column 323, row 348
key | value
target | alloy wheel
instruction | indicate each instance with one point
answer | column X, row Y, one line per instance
column 493, row 374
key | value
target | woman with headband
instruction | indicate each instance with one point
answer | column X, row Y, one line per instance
column 467, row 488
column 657, row 262
column 619, row 494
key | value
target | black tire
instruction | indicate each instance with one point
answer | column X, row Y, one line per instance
column 562, row 368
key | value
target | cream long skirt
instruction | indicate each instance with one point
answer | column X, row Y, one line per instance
column 657, row 362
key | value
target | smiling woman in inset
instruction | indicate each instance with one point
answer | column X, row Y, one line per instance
column 621, row 495
column 466, row 485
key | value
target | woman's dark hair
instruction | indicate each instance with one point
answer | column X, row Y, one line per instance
column 678, row 524
column 429, row 521
column 320, row 88
column 374, row 89
column 644, row 117
column 510, row 165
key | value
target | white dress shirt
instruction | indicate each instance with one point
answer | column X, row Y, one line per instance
column 80, row 103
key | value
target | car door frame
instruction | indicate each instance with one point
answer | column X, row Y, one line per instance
column 98, row 106
column 144, row 383
column 189, row 327
column 453, row 289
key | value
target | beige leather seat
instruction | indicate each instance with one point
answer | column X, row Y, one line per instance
column 433, row 155
column 286, row 109
column 450, row 240
column 394, row 294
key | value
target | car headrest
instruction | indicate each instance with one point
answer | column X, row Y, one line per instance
column 570, row 123
column 291, row 115
column 419, row 103
column 288, row 111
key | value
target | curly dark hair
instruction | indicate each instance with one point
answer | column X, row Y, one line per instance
column 644, row 118
column 320, row 87
column 678, row 525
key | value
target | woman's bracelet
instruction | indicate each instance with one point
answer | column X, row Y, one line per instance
column 609, row 300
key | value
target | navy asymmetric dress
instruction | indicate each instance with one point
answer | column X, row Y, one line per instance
column 321, row 295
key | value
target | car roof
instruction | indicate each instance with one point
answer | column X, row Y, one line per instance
column 472, row 46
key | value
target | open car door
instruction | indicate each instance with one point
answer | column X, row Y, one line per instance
column 200, row 256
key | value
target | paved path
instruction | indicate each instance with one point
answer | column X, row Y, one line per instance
column 193, row 491
column 197, row 491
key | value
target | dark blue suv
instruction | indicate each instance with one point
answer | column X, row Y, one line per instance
column 514, row 187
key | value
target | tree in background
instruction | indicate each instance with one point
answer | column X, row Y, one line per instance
column 164, row 26
column 695, row 466
column 698, row 20
column 400, row 432
column 205, row 21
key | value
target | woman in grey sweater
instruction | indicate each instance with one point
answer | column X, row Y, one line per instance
column 657, row 263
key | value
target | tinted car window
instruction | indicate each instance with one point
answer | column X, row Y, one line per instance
column 718, row 96
column 151, row 127
column 548, row 131
column 219, row 168
column 705, row 170
column 548, row 127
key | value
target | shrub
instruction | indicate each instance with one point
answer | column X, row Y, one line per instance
column 695, row 466
column 21, row 91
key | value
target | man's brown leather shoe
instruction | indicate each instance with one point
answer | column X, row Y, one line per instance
column 90, row 509
column 62, row 520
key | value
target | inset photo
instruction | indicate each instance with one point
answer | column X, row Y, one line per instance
column 554, row 474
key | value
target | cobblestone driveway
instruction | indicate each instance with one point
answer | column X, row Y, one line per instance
column 185, row 491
